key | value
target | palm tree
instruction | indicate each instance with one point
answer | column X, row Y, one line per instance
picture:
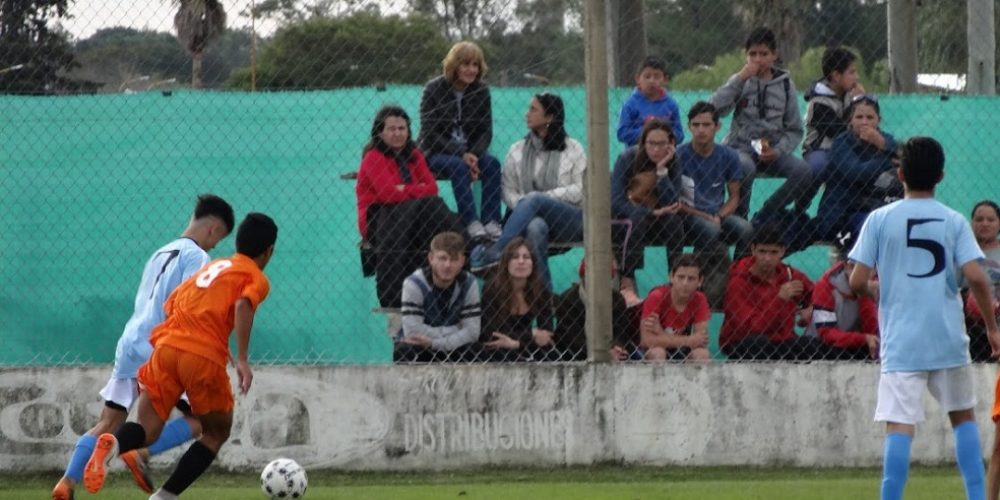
column 198, row 23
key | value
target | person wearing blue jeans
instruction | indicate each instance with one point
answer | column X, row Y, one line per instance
column 543, row 186
column 457, row 170
column 456, row 128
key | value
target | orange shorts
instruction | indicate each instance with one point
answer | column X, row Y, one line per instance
column 996, row 400
column 171, row 372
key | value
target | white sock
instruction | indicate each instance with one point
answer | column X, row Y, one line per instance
column 163, row 495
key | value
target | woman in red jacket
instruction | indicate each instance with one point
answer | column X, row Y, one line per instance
column 399, row 211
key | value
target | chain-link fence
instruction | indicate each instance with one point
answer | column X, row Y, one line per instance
column 115, row 116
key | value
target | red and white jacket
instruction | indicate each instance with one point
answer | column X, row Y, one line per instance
column 840, row 317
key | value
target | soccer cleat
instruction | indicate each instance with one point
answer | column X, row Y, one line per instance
column 63, row 490
column 139, row 468
column 97, row 467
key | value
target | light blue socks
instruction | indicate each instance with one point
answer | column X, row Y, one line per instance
column 175, row 433
column 969, row 454
column 895, row 465
column 81, row 453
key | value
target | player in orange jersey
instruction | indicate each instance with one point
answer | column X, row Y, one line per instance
column 190, row 351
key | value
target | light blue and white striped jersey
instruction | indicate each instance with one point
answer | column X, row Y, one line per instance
column 918, row 247
column 166, row 269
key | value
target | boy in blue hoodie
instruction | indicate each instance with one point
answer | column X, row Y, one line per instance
column 649, row 100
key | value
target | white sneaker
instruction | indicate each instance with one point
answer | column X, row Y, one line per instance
column 476, row 230
column 493, row 229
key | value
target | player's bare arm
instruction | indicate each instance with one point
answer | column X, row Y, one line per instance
column 859, row 279
column 982, row 291
column 243, row 322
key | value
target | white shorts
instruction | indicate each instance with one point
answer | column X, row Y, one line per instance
column 124, row 392
column 121, row 391
column 901, row 394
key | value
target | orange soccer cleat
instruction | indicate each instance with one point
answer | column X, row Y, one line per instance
column 105, row 449
column 139, row 468
column 63, row 490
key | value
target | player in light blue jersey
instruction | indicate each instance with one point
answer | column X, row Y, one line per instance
column 919, row 246
column 170, row 265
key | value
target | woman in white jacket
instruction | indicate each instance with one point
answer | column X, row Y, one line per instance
column 542, row 186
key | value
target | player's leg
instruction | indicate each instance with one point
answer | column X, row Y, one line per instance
column 900, row 406
column 954, row 389
column 993, row 472
column 176, row 432
column 211, row 400
column 118, row 396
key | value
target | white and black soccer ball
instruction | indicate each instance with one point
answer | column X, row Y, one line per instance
column 283, row 478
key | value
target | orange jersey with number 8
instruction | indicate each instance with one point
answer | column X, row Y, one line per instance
column 200, row 312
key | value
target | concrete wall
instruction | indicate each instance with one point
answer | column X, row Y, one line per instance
column 443, row 417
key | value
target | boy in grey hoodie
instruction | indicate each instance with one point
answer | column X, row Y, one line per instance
column 766, row 125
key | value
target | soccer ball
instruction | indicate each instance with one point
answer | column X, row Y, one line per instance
column 283, row 478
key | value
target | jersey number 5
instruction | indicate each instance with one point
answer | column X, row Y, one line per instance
column 936, row 249
column 208, row 275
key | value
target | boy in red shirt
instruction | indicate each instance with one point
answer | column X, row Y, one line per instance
column 763, row 298
column 190, row 352
column 675, row 317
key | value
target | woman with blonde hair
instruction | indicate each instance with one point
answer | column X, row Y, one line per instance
column 456, row 128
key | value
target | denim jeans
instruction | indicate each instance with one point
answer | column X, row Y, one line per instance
column 734, row 230
column 541, row 220
column 818, row 160
column 795, row 189
column 457, row 171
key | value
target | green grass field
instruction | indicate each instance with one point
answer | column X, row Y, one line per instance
column 608, row 482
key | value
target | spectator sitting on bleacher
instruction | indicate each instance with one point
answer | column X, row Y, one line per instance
column 440, row 308
column 571, row 314
column 518, row 318
column 846, row 324
column 542, row 186
column 763, row 298
column 861, row 176
column 828, row 99
column 986, row 227
column 649, row 100
column 766, row 125
column 675, row 317
column 398, row 207
column 456, row 128
column 710, row 219
column 646, row 188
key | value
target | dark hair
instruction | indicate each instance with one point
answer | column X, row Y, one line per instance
column 866, row 99
column 837, row 59
column 767, row 234
column 652, row 62
column 685, row 260
column 986, row 203
column 642, row 162
column 210, row 205
column 449, row 242
column 552, row 105
column 761, row 36
column 256, row 234
column 378, row 126
column 922, row 160
column 703, row 107
column 499, row 286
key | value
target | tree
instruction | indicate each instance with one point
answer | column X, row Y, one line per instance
column 114, row 56
column 358, row 50
column 692, row 33
column 464, row 19
column 198, row 23
column 785, row 17
column 32, row 53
